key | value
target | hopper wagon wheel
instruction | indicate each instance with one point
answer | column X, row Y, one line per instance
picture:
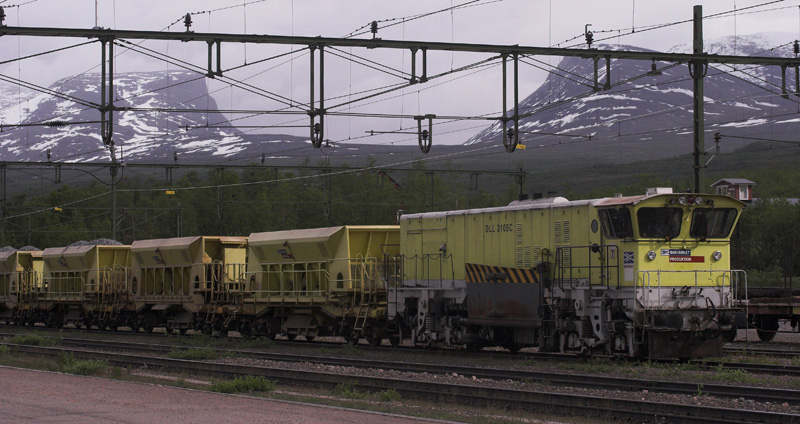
column 310, row 338
column 353, row 338
column 169, row 329
column 223, row 332
column 394, row 340
column 374, row 341
column 182, row 331
column 148, row 329
column 291, row 337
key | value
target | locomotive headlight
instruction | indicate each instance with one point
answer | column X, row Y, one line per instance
column 717, row 255
column 682, row 200
column 698, row 200
column 651, row 255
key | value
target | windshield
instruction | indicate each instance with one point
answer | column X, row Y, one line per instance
column 659, row 222
column 712, row 223
column 616, row 223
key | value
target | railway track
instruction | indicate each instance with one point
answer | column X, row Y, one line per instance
column 758, row 350
column 755, row 368
column 525, row 400
column 759, row 394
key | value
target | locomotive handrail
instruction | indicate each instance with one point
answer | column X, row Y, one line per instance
column 568, row 272
column 425, row 259
column 726, row 300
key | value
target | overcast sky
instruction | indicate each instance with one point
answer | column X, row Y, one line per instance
column 523, row 22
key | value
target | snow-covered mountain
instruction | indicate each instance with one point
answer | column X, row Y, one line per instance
column 651, row 115
column 647, row 116
column 71, row 130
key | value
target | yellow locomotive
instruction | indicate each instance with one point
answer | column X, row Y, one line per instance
column 641, row 275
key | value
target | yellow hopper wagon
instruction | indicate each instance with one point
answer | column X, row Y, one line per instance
column 321, row 281
column 20, row 284
column 187, row 283
column 84, row 285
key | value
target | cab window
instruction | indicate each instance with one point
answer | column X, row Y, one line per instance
column 712, row 223
column 616, row 223
column 659, row 222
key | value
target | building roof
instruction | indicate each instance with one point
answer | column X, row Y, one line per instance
column 733, row 181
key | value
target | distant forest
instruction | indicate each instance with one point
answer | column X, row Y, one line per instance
column 766, row 242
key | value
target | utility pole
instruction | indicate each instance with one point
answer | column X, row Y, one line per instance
column 3, row 182
column 698, row 69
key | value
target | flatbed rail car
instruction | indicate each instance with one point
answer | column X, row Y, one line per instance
column 20, row 284
column 632, row 276
column 321, row 281
column 83, row 285
column 767, row 307
column 187, row 283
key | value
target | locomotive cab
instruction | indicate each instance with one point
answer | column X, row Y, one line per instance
column 675, row 256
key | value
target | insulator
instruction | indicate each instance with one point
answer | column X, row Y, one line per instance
column 425, row 135
column 796, row 47
column 57, row 124
column 2, row 16
column 49, row 155
column 589, row 38
column 175, row 156
column 263, row 158
column 317, row 128
column 374, row 28
column 510, row 133
column 717, row 137
column 187, row 20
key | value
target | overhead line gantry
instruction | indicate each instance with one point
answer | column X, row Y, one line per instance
column 697, row 61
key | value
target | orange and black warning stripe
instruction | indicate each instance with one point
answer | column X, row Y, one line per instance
column 477, row 273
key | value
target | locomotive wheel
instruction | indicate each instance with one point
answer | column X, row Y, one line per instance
column 474, row 347
column 731, row 334
column 374, row 341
